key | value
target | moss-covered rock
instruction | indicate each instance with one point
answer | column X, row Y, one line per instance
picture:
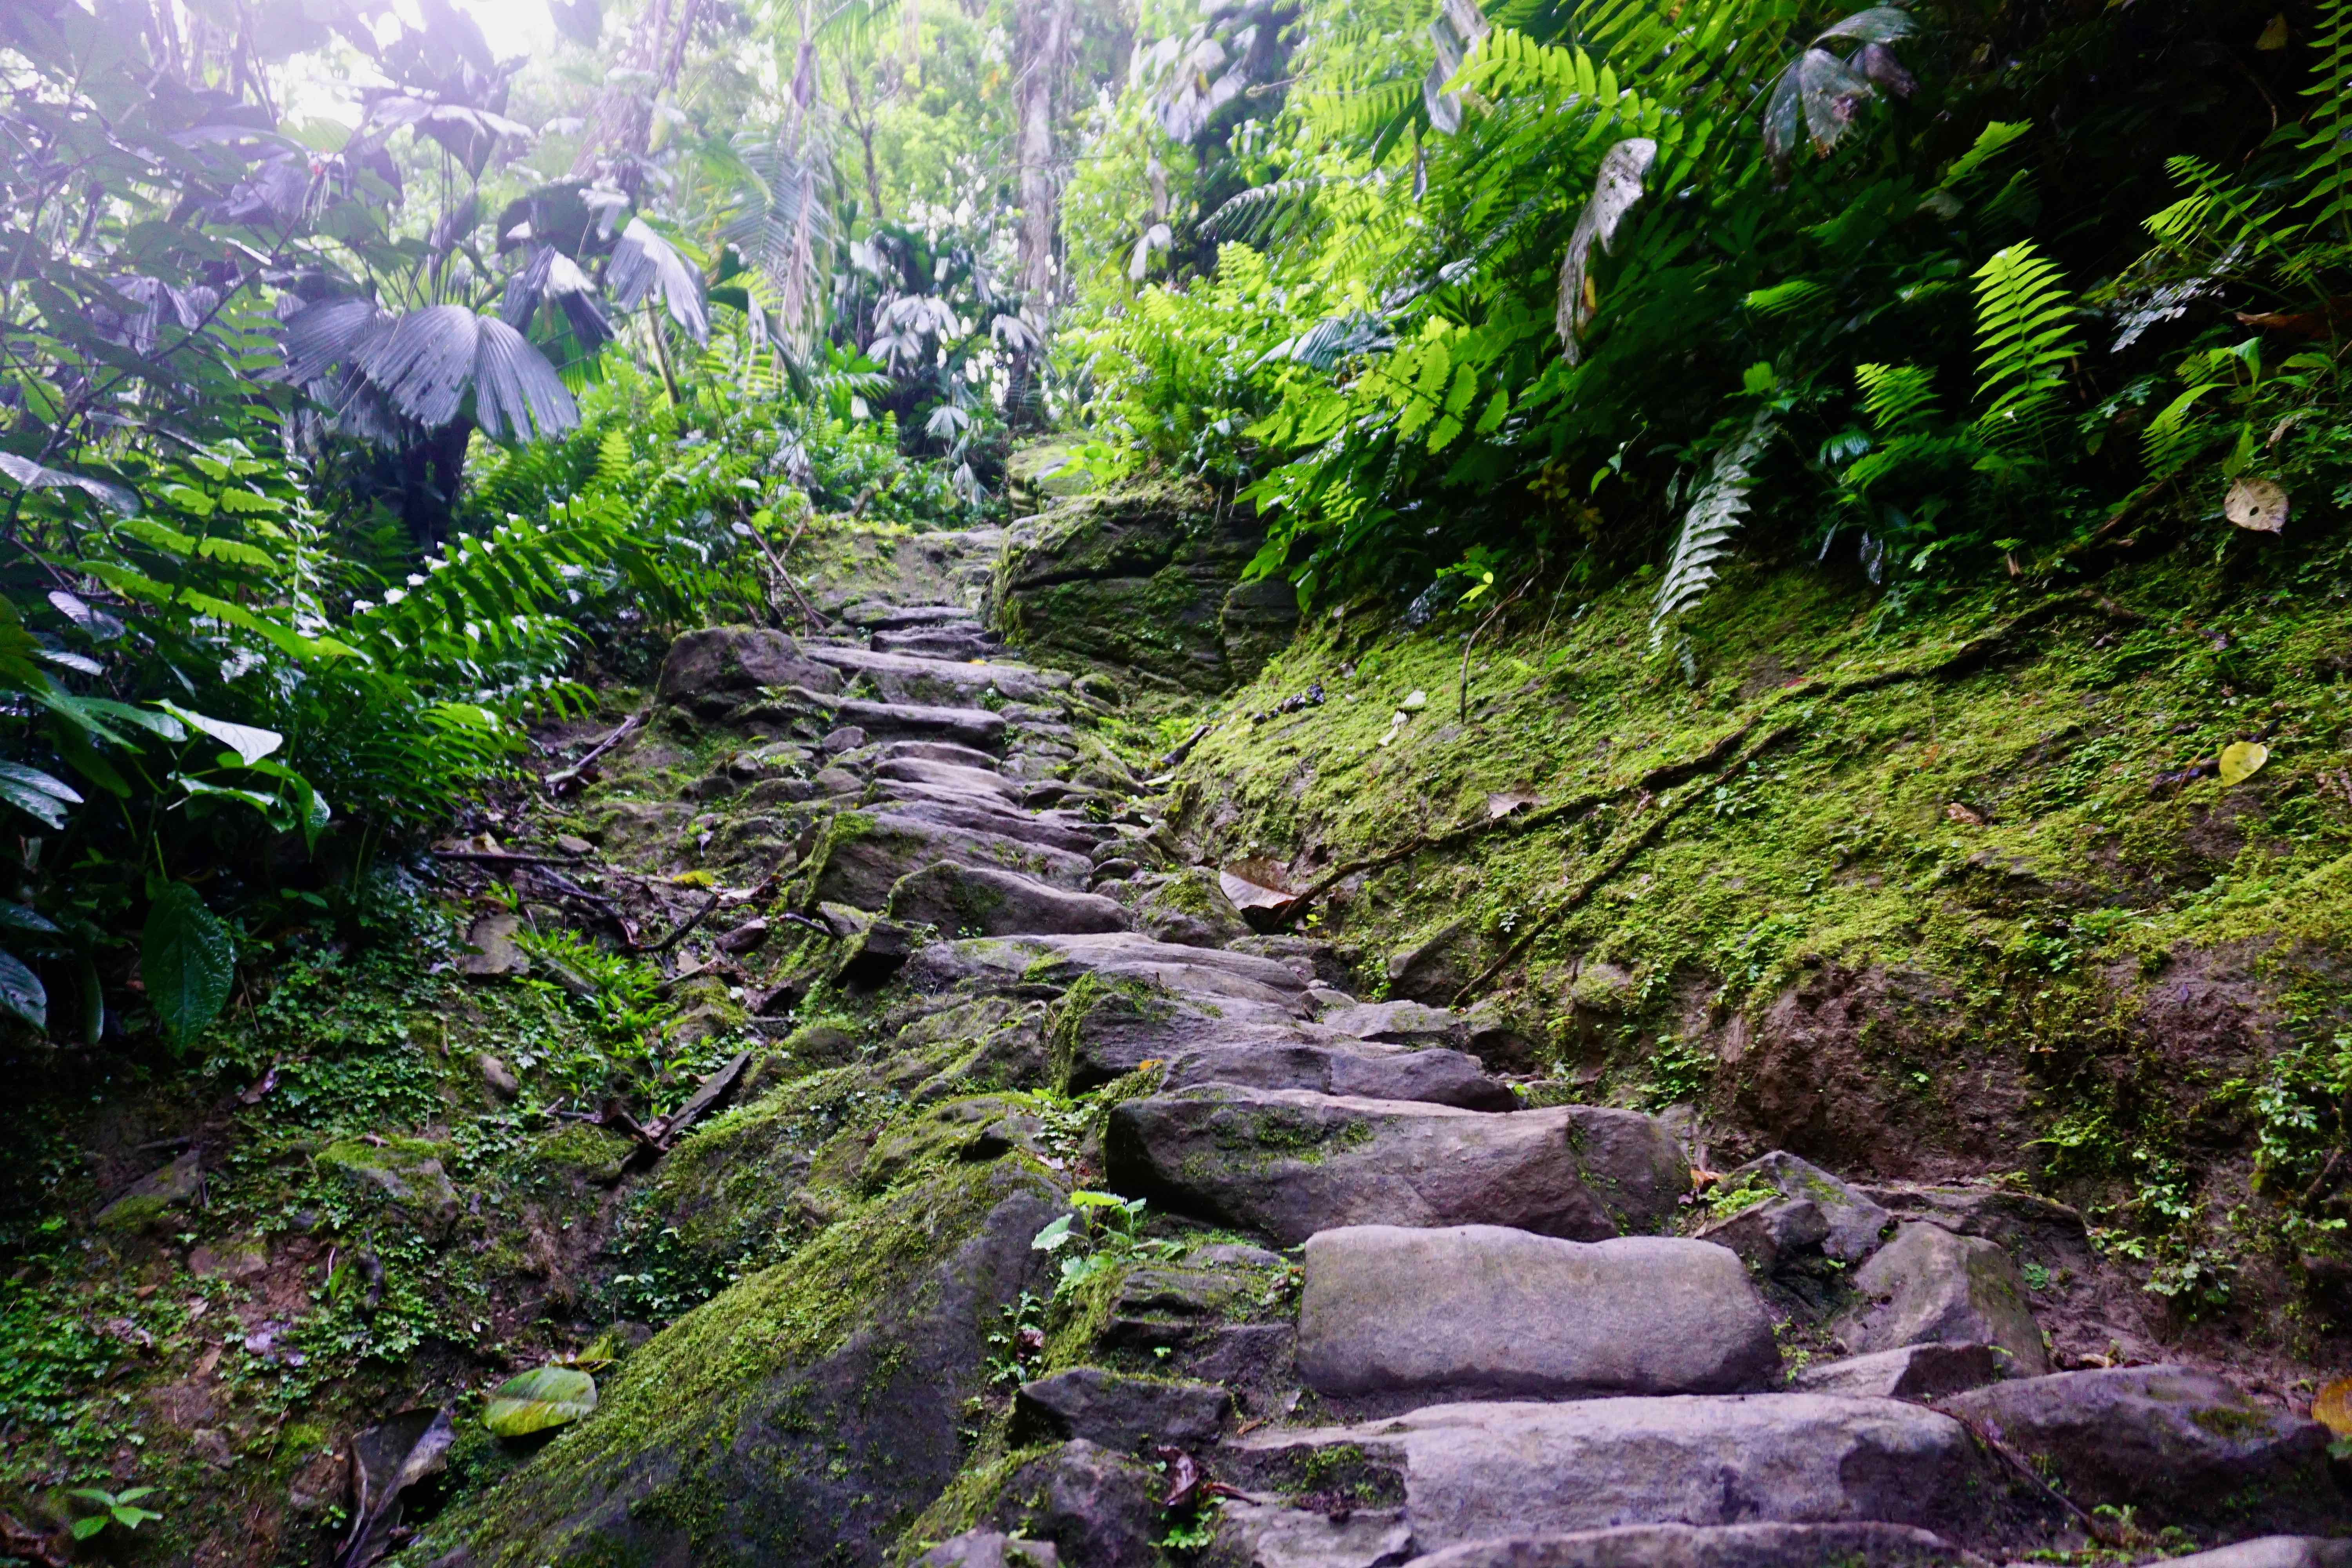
column 406, row 1172
column 807, row 1415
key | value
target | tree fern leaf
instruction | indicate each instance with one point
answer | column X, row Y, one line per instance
column 1713, row 517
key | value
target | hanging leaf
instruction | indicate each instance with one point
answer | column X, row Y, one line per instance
column 386, row 1460
column 644, row 262
column 187, row 960
column 35, row 793
column 22, row 993
column 540, row 1401
column 33, row 475
column 2258, row 505
column 2242, row 760
column 1614, row 191
column 249, row 744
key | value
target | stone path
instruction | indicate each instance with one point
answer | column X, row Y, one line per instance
column 1494, row 1349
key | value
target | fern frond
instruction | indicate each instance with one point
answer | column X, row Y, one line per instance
column 2025, row 334
column 1896, row 395
column 1715, row 515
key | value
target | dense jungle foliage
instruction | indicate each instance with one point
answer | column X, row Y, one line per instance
column 372, row 399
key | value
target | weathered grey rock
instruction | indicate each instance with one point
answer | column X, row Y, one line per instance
column 978, row 900
column 1118, row 958
column 1478, row 1309
column 2024, row 1223
column 863, row 854
column 2182, row 1447
column 498, row 1077
column 1856, row 1222
column 1117, row 1410
column 1928, row 1286
column 1188, row 907
column 1313, row 960
column 1717, row 1546
column 847, row 738
column 879, row 616
column 1027, row 828
column 900, row 678
column 974, row 727
column 1100, row 1508
column 938, row 752
column 954, row 778
column 1434, row 968
column 148, row 1198
column 1913, row 1371
column 2273, row 1552
column 990, row 1549
column 713, row 670
column 1504, row 1470
column 1289, row 1163
column 1274, row 1535
column 1771, row 1234
column 1396, row 1022
column 490, row 951
column 1233, row 1255
column 965, row 642
column 1367, row 1072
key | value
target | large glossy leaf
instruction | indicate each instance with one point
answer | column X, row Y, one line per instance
column 250, row 743
column 551, row 278
column 426, row 364
column 541, row 1400
column 37, row 794
column 515, row 389
column 35, row 476
column 330, row 333
column 1614, row 191
column 642, row 263
column 187, row 960
column 22, row 993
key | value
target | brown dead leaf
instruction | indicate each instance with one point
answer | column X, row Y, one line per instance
column 2333, row 1408
column 1503, row 802
column 1962, row 813
column 2259, row 506
column 1260, row 889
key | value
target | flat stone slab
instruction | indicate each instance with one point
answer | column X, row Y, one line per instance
column 1854, row 1222
column 1290, row 1162
column 1913, row 1371
column 1274, row 1535
column 1720, row 1546
column 921, row 802
column 1062, row 961
column 903, row 678
column 982, row 901
column 863, row 853
column 954, row 778
column 1367, row 1071
column 1508, row 1470
column 1929, row 1286
column 2273, row 1552
column 1480, row 1309
column 974, row 727
column 1117, row 1410
column 1397, row 1022
column 2182, row 1447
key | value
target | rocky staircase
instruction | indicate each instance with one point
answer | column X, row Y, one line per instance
column 1502, row 1355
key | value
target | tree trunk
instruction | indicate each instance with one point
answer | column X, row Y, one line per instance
column 1044, row 44
column 622, row 124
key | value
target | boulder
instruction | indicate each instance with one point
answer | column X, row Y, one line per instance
column 1189, row 906
column 1856, row 1223
column 1240, row 987
column 985, row 783
column 977, row 900
column 491, row 952
column 152, row 1195
column 1271, row 1533
column 990, row 1549
column 1913, row 1371
column 498, row 1077
column 2273, row 1552
column 1478, row 1309
column 1367, row 1072
column 1027, row 828
column 712, row 670
column 1289, row 1162
column 1138, row 575
column 1503, row 1471
column 2022, row 1222
column 1928, row 1286
column 1101, row 1509
column 2182, row 1447
column 1117, row 1410
column 1771, row 1234
column 1434, row 968
column 1718, row 1546
column 862, row 855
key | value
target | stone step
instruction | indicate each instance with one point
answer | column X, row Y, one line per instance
column 1483, row 1472
column 862, row 856
column 902, row 678
column 938, row 752
column 2181, row 1447
column 2274, row 1551
column 959, row 900
column 962, row 641
column 1244, row 987
column 923, row 803
column 1720, row 1546
column 1914, row 1372
column 965, row 726
column 877, row 616
column 953, row 778
column 1288, row 1162
column 1362, row 1070
column 1481, row 1309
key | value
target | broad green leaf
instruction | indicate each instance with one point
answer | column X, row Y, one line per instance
column 22, row 993
column 539, row 1400
column 35, row 793
column 19, row 916
column 249, row 744
column 2242, row 761
column 187, row 960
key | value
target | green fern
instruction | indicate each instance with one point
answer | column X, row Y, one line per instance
column 1715, row 515
column 2329, row 175
column 2024, row 334
column 1896, row 396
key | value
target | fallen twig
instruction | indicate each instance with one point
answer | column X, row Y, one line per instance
column 502, row 858
column 679, row 933
column 557, row 780
column 2105, row 1534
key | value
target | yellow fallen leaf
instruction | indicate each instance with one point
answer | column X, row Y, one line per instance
column 2256, row 504
column 2243, row 759
column 2333, row 1408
